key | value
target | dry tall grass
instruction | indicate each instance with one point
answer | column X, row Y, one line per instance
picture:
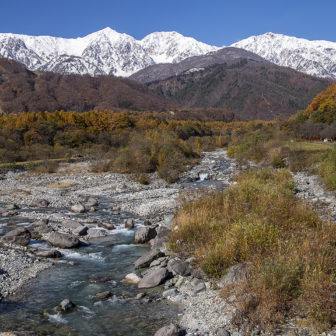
column 292, row 253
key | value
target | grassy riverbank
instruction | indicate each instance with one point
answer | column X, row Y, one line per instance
column 280, row 149
column 290, row 251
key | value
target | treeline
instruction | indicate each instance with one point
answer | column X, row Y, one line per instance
column 318, row 121
column 133, row 142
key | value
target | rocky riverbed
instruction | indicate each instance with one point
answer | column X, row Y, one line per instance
column 75, row 208
column 37, row 208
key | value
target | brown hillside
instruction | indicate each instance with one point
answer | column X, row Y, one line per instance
column 22, row 90
column 248, row 88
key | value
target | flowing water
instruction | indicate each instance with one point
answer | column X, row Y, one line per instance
column 97, row 268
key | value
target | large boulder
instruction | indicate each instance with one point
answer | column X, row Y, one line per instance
column 78, row 208
column 147, row 258
column 18, row 236
column 80, row 231
column 63, row 240
column 161, row 239
column 129, row 223
column 71, row 225
column 39, row 228
column 234, row 275
column 169, row 330
column 154, row 278
column 144, row 234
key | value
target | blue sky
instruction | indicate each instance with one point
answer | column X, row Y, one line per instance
column 211, row 21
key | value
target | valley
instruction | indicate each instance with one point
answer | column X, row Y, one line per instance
column 159, row 185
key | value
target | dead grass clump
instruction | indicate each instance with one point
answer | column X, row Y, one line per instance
column 292, row 253
column 45, row 167
column 101, row 166
column 61, row 185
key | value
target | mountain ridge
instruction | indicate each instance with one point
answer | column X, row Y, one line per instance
column 316, row 58
column 108, row 52
column 103, row 52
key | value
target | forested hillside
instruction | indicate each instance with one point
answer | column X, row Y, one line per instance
column 22, row 90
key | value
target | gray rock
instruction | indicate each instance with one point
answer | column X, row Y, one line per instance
column 78, row 208
column 144, row 234
column 147, row 258
column 80, row 231
column 147, row 222
column 71, row 225
column 42, row 203
column 18, row 236
column 170, row 292
column 234, row 274
column 129, row 223
column 12, row 206
column 39, row 228
column 198, row 273
column 140, row 296
column 168, row 220
column 66, row 305
column 179, row 282
column 161, row 239
column 9, row 213
column 132, row 278
column 199, row 287
column 96, row 232
column 103, row 296
column 191, row 260
column 43, row 221
column 158, row 262
column 154, row 278
column 107, row 226
column 179, row 267
column 170, row 283
column 63, row 240
column 222, row 332
column 169, row 330
column 91, row 202
column 49, row 254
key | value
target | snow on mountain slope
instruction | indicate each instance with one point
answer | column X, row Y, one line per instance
column 102, row 52
column 317, row 58
column 172, row 47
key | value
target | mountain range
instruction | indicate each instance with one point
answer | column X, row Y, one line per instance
column 316, row 58
column 104, row 52
column 109, row 52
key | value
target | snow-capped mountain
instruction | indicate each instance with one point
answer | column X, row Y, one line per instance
column 317, row 58
column 102, row 52
column 172, row 47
